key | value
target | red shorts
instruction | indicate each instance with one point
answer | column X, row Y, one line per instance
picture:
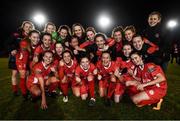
column 31, row 81
column 156, row 93
column 127, row 77
column 83, row 87
column 103, row 84
column 21, row 66
column 71, row 82
column 132, row 90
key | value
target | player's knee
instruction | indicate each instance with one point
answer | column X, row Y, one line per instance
column 84, row 96
column 101, row 94
column 135, row 99
column 22, row 75
column 54, row 79
column 14, row 72
column 113, row 79
column 37, row 93
column 90, row 78
column 116, row 98
column 77, row 94
column 14, row 75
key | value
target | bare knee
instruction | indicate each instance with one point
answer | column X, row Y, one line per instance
column 22, row 75
column 37, row 93
column 84, row 96
column 90, row 78
column 54, row 79
column 77, row 94
column 135, row 99
column 14, row 73
column 117, row 98
column 101, row 94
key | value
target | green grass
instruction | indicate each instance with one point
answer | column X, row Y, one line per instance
column 14, row 107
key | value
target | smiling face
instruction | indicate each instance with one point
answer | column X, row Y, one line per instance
column 129, row 34
column 138, row 43
column 78, row 31
column 34, row 37
column 59, row 48
column 153, row 20
column 100, row 42
column 106, row 59
column 74, row 42
column 67, row 57
column 63, row 33
column 85, row 63
column 90, row 35
column 50, row 29
column 27, row 28
column 48, row 58
column 118, row 36
column 127, row 50
column 46, row 41
column 136, row 59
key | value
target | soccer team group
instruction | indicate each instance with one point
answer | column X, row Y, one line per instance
column 78, row 59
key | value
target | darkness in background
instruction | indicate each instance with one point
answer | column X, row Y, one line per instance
column 126, row 12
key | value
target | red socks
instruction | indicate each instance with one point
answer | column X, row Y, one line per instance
column 23, row 86
column 53, row 86
column 111, row 89
column 91, row 88
column 15, row 88
column 64, row 88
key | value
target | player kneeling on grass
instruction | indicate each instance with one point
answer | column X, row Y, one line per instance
column 22, row 57
column 67, row 66
column 109, row 85
column 150, row 84
column 84, row 75
column 40, row 78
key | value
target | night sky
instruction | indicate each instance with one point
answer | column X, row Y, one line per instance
column 85, row 12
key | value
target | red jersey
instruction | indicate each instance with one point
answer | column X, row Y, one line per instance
column 110, row 42
column 119, row 46
column 40, row 49
column 153, row 47
column 41, row 70
column 57, row 58
column 22, row 59
column 99, row 54
column 148, row 73
column 69, row 71
column 124, row 63
column 85, row 44
column 32, row 50
column 83, row 74
column 105, row 72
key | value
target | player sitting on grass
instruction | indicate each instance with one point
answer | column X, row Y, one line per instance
column 149, row 85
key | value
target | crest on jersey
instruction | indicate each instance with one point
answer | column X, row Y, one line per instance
column 151, row 92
